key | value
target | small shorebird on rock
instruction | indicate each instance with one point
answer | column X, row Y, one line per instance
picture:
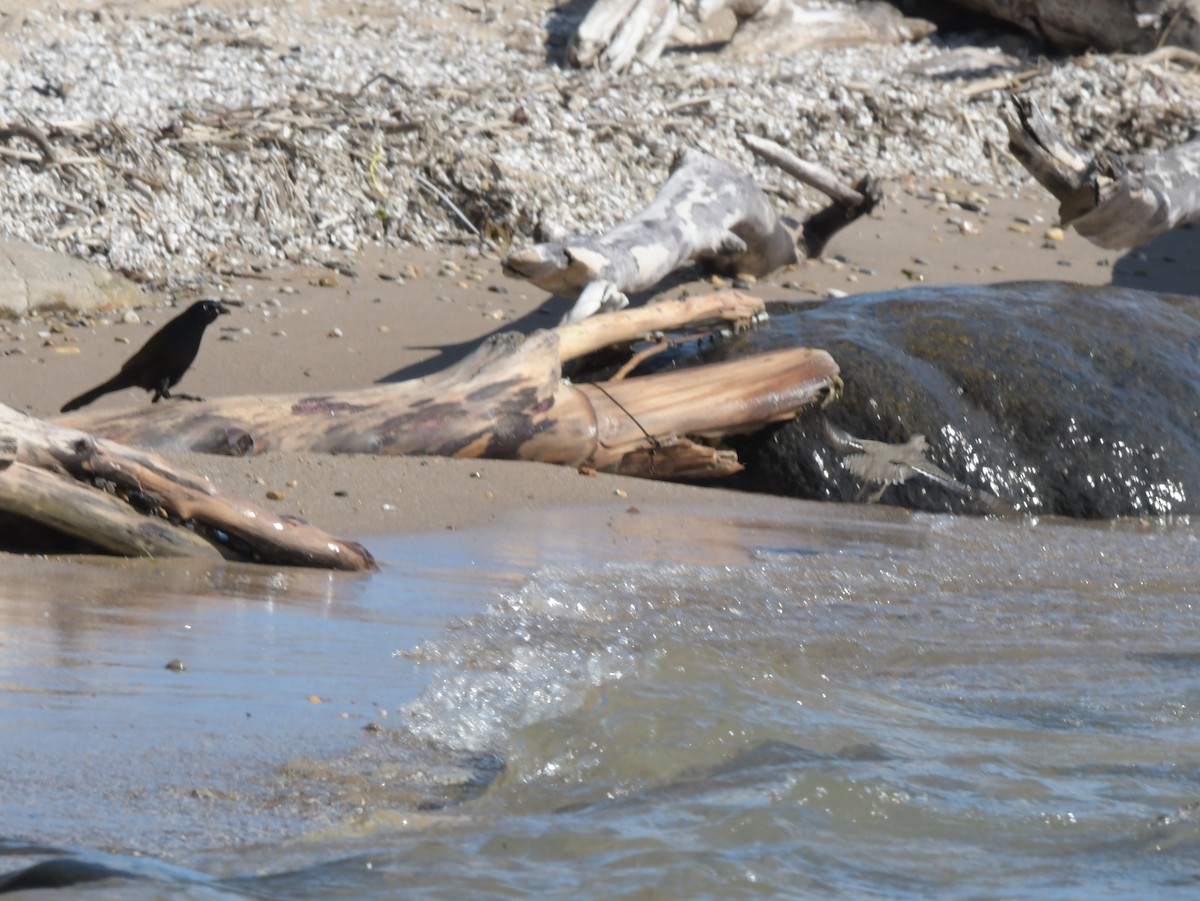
column 883, row 464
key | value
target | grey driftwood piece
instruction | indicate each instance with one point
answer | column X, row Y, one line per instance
column 616, row 33
column 706, row 211
column 1114, row 201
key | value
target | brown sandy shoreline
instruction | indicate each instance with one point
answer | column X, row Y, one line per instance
column 405, row 314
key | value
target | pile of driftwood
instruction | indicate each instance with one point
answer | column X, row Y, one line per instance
column 508, row 400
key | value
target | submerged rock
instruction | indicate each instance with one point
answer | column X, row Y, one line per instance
column 1056, row 398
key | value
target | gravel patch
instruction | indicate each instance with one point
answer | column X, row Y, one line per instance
column 190, row 143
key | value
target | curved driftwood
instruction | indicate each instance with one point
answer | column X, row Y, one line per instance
column 509, row 400
column 133, row 503
column 1114, row 201
column 707, row 210
column 615, row 33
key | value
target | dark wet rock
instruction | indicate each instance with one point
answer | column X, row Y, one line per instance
column 61, row 872
column 1057, row 398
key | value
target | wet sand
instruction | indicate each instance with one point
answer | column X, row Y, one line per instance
column 394, row 315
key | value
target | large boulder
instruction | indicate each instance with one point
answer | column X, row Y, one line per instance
column 1057, row 398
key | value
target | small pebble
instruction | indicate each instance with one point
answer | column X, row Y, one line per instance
column 175, row 666
column 274, row 495
column 131, row 318
column 335, row 333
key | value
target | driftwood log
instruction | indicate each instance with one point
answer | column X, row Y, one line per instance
column 132, row 503
column 616, row 33
column 707, row 212
column 509, row 400
column 1114, row 201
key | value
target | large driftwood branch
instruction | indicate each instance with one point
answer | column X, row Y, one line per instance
column 509, row 400
column 1114, row 201
column 133, row 503
column 615, row 33
column 707, row 211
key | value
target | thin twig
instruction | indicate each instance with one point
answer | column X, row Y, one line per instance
column 31, row 134
column 636, row 360
column 812, row 174
column 441, row 195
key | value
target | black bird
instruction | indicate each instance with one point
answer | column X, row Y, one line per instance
column 163, row 360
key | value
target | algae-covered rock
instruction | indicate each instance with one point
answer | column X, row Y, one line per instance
column 1057, row 398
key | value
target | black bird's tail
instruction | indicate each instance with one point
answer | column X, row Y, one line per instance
column 113, row 384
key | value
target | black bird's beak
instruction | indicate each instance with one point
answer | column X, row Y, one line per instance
column 223, row 310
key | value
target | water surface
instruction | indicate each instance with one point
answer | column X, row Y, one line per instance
column 838, row 701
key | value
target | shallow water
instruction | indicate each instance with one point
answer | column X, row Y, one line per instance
column 839, row 702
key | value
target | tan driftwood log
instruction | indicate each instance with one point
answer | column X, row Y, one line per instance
column 1134, row 26
column 508, row 400
column 133, row 503
column 615, row 33
column 706, row 211
column 1114, row 201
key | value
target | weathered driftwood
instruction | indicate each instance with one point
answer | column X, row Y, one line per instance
column 133, row 503
column 1114, row 201
column 708, row 212
column 509, row 400
column 615, row 33
column 1133, row 26
column 849, row 203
